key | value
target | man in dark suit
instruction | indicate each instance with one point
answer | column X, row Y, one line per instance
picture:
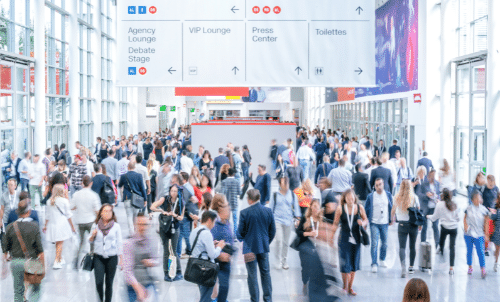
column 393, row 149
column 256, row 230
column 426, row 162
column 99, row 179
column 263, row 184
column 361, row 183
column 324, row 169
column 132, row 182
column 384, row 173
column 429, row 197
column 380, row 149
column 351, row 154
column 218, row 162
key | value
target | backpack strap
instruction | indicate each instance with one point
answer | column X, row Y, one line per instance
column 196, row 240
column 21, row 241
column 274, row 198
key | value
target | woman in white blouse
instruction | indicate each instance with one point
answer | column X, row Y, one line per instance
column 108, row 250
column 58, row 225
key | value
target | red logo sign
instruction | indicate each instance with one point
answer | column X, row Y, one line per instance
column 417, row 98
column 142, row 70
column 152, row 9
column 277, row 9
column 266, row 9
column 256, row 9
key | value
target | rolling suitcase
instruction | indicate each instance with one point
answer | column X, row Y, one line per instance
column 425, row 256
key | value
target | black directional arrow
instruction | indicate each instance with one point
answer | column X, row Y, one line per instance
column 170, row 70
column 359, row 9
column 298, row 70
column 235, row 69
column 359, row 71
column 234, row 9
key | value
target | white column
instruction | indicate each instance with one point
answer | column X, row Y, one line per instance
column 493, row 89
column 40, row 139
column 447, row 52
column 96, row 70
column 74, row 81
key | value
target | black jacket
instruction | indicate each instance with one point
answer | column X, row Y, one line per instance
column 385, row 174
column 361, row 185
column 98, row 182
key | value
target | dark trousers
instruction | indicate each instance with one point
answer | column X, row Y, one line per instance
column 245, row 172
column 405, row 230
column 174, row 239
column 311, row 263
column 435, row 228
column 185, row 232
column 304, row 264
column 453, row 236
column 262, row 260
column 104, row 272
column 224, row 273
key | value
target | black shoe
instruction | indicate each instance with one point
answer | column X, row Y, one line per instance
column 178, row 277
column 486, row 253
column 168, row 279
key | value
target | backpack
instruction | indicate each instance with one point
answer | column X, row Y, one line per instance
column 65, row 155
column 107, row 193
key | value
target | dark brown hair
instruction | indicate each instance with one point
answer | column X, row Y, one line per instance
column 100, row 212
column 416, row 290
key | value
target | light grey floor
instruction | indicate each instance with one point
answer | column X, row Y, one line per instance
column 387, row 285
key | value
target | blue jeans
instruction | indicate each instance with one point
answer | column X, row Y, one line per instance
column 24, row 184
column 132, row 296
column 435, row 228
column 262, row 260
column 235, row 220
column 205, row 293
column 378, row 231
column 305, row 165
column 245, row 172
column 274, row 168
column 479, row 243
column 185, row 231
column 224, row 273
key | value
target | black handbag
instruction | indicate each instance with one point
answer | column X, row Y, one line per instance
column 295, row 243
column 88, row 262
column 137, row 201
column 417, row 217
column 165, row 222
column 363, row 236
column 200, row 271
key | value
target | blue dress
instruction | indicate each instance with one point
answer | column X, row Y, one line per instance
column 495, row 238
column 349, row 254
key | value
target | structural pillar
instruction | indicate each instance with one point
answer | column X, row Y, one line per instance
column 74, row 78
column 40, row 139
column 493, row 90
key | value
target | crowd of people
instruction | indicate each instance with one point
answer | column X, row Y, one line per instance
column 326, row 181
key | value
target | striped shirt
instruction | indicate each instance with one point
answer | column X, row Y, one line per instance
column 231, row 188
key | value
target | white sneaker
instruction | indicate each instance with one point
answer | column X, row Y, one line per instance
column 57, row 265
column 63, row 262
column 382, row 263
column 374, row 268
column 495, row 267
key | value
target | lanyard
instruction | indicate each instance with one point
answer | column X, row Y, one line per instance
column 12, row 198
column 350, row 219
column 313, row 227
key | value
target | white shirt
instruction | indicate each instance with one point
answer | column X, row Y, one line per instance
column 37, row 171
column 447, row 181
column 90, row 168
column 390, row 165
column 108, row 246
column 87, row 203
column 405, row 216
column 122, row 166
column 448, row 219
column 144, row 172
column 186, row 164
column 306, row 153
column 380, row 208
column 363, row 157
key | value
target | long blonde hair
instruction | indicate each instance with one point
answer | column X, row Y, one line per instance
column 149, row 165
column 404, row 198
column 307, row 186
column 57, row 191
column 307, row 223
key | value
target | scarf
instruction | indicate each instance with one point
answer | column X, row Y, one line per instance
column 105, row 229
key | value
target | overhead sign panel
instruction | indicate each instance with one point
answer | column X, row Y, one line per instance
column 218, row 43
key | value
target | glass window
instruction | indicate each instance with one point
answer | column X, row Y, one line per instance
column 478, row 110
column 463, row 110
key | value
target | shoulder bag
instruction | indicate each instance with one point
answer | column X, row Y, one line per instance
column 172, row 261
column 364, row 238
column 34, row 269
column 137, row 201
column 88, row 260
column 200, row 271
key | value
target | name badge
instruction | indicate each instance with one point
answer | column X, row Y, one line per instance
column 351, row 240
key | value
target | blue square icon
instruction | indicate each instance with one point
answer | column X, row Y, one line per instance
column 142, row 10
column 131, row 10
column 132, row 71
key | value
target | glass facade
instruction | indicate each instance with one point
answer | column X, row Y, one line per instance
column 472, row 29
column 380, row 120
column 265, row 114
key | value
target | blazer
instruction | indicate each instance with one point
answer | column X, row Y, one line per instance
column 320, row 149
column 369, row 206
column 98, row 182
column 136, row 185
column 263, row 184
column 379, row 151
column 361, row 184
column 218, row 162
column 353, row 156
column 256, row 229
column 427, row 163
column 423, row 198
column 322, row 171
column 385, row 174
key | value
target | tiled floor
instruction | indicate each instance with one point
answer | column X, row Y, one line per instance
column 386, row 285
